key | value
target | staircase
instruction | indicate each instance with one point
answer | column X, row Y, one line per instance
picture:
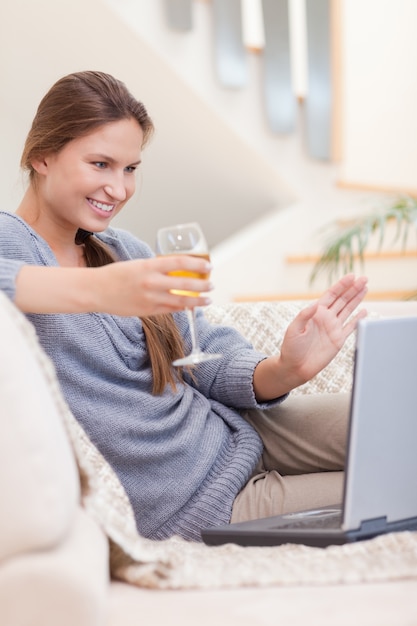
column 260, row 198
column 270, row 255
column 391, row 276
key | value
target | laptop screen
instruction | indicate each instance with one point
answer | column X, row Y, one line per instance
column 381, row 464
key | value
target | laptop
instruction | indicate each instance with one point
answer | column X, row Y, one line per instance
column 380, row 481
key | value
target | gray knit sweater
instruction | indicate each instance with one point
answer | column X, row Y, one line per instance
column 182, row 456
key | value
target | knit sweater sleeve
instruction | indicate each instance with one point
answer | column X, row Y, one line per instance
column 228, row 380
column 8, row 273
column 16, row 249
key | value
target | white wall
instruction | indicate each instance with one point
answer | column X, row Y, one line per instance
column 195, row 168
column 254, row 260
column 380, row 93
column 379, row 89
column 258, row 196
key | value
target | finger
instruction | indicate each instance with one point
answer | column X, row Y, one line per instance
column 189, row 302
column 335, row 291
column 177, row 280
column 177, row 262
column 301, row 319
column 190, row 286
column 341, row 292
column 166, row 302
column 349, row 300
column 351, row 325
column 355, row 299
column 180, row 302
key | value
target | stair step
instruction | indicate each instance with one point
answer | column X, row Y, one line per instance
column 367, row 256
column 392, row 295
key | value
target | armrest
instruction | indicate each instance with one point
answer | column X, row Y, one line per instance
column 39, row 482
column 66, row 585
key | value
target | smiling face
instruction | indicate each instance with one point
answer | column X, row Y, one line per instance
column 87, row 183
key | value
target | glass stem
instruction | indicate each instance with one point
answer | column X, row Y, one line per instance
column 193, row 330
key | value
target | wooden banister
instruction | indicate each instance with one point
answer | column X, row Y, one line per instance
column 400, row 294
column 381, row 256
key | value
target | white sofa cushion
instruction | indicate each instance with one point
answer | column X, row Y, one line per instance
column 65, row 586
column 39, row 484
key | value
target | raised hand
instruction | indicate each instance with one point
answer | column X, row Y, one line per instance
column 318, row 332
column 312, row 339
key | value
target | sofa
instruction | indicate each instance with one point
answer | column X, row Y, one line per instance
column 70, row 554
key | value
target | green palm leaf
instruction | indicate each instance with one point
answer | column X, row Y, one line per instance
column 345, row 245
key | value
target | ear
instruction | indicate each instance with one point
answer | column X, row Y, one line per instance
column 40, row 166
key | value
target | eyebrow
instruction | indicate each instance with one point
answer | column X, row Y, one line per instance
column 108, row 159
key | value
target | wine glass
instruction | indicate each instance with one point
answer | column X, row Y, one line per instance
column 186, row 239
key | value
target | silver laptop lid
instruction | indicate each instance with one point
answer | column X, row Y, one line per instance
column 381, row 467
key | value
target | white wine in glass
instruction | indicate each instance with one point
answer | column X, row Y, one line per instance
column 186, row 239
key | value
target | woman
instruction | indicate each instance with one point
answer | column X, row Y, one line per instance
column 192, row 449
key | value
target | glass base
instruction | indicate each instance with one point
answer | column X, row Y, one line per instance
column 196, row 357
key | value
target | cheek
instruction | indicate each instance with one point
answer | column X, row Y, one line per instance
column 55, row 187
column 65, row 180
column 130, row 187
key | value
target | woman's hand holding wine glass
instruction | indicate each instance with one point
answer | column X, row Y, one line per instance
column 186, row 239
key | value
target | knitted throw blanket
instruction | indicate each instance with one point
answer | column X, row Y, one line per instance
column 177, row 564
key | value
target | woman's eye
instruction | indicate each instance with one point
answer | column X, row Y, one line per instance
column 130, row 169
column 100, row 164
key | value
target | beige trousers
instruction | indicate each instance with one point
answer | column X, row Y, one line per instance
column 303, row 459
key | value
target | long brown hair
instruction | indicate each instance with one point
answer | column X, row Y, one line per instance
column 73, row 107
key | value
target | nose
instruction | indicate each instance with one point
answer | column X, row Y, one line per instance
column 116, row 187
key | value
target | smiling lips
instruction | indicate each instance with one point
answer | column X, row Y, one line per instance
column 102, row 206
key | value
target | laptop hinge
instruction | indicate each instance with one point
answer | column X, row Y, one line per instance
column 374, row 525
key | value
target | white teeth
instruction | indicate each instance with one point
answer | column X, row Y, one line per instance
column 100, row 205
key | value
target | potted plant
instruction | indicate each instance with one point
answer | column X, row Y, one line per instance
column 346, row 244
